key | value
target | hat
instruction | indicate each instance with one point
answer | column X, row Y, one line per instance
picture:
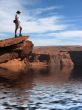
column 18, row 12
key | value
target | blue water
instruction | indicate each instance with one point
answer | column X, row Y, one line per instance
column 43, row 89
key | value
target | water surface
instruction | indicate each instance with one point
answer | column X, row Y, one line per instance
column 42, row 89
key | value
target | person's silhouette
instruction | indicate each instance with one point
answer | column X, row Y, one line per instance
column 17, row 23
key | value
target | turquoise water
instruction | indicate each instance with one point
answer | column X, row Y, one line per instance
column 43, row 89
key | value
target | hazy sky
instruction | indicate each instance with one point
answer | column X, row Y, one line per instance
column 47, row 22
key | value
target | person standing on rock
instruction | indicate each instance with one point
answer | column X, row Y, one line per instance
column 17, row 23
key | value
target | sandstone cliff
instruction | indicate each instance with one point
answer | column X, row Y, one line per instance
column 60, row 55
column 14, row 53
column 18, row 54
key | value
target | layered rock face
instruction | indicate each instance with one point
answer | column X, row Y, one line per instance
column 13, row 51
column 69, row 56
column 18, row 53
column 57, row 59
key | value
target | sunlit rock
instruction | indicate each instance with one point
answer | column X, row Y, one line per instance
column 12, row 49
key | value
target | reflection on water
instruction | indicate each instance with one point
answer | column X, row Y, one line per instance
column 42, row 89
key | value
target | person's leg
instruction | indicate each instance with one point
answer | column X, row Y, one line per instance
column 20, row 31
column 16, row 28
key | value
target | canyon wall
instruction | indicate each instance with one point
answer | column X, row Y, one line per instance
column 18, row 54
column 62, row 55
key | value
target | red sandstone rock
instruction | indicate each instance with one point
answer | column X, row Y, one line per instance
column 14, row 48
column 12, row 41
column 62, row 55
column 8, row 56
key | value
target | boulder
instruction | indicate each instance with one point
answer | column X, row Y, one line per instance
column 14, row 48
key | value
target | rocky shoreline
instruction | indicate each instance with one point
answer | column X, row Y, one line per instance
column 18, row 54
column 70, row 56
column 14, row 53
